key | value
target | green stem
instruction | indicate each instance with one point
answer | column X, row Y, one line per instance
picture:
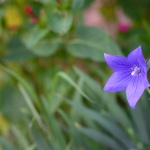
column 148, row 90
column 53, row 88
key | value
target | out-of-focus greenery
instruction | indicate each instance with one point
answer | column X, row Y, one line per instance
column 52, row 73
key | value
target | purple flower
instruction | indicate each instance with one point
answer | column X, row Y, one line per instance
column 130, row 74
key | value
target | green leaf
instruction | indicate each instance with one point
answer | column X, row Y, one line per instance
column 24, row 83
column 39, row 138
column 32, row 147
column 11, row 103
column 6, row 144
column 148, row 64
column 141, row 112
column 46, row 47
column 67, row 78
column 136, row 11
column 22, row 141
column 141, row 127
column 106, row 124
column 43, row 1
column 31, row 106
column 80, row 4
column 92, row 43
column 80, row 140
column 77, row 5
column 56, row 129
column 100, row 137
column 35, row 36
column 109, row 101
column 1, row 17
column 61, row 22
column 77, row 97
column 58, row 86
column 68, row 147
column 16, row 51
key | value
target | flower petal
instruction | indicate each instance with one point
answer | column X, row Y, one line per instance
column 118, row 81
column 117, row 63
column 136, row 88
column 136, row 57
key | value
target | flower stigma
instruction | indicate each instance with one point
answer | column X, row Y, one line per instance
column 136, row 70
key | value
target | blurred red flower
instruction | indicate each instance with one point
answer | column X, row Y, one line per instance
column 28, row 9
column 34, row 18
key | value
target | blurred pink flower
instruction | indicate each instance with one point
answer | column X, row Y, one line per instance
column 123, row 27
column 33, row 20
column 93, row 17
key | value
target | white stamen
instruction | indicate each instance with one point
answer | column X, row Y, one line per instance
column 136, row 70
column 133, row 73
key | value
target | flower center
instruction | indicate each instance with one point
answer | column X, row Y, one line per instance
column 136, row 70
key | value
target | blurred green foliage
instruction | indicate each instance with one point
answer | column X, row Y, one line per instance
column 52, row 73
